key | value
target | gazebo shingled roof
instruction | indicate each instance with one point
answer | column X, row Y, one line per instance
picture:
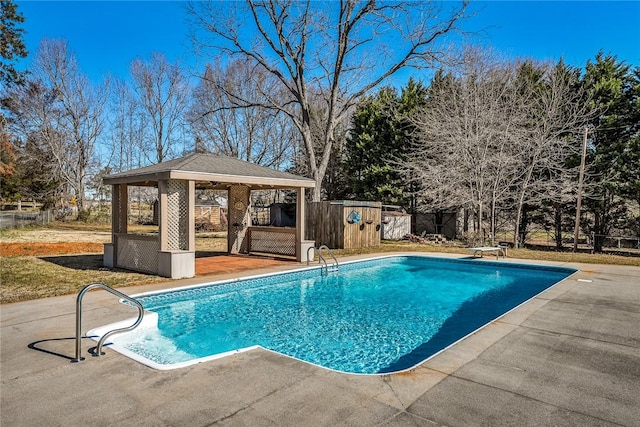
column 171, row 253
column 211, row 171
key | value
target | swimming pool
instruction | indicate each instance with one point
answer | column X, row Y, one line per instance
column 381, row 315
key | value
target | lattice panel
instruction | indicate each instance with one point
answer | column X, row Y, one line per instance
column 117, row 195
column 177, row 215
column 138, row 253
column 120, row 206
column 273, row 242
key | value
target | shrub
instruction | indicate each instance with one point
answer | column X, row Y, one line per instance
column 84, row 215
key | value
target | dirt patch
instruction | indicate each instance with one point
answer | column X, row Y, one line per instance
column 47, row 249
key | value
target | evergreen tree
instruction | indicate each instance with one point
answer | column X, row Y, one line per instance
column 11, row 44
column 629, row 163
column 380, row 138
column 611, row 163
column 372, row 137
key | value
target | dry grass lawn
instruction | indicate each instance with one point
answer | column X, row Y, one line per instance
column 64, row 257
column 29, row 277
column 541, row 255
column 44, row 262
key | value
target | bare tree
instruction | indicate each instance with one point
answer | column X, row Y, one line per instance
column 162, row 92
column 60, row 111
column 557, row 109
column 27, row 108
column 338, row 51
column 468, row 150
column 127, row 128
column 255, row 134
column 497, row 136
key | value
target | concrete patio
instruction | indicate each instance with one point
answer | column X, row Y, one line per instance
column 568, row 357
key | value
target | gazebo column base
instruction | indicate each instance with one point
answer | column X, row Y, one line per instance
column 177, row 264
column 304, row 250
column 107, row 259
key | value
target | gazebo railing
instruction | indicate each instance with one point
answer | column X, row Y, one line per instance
column 137, row 252
column 272, row 240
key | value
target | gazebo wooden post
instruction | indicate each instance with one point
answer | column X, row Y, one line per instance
column 122, row 214
column 119, row 221
column 162, row 214
column 191, row 219
column 176, row 228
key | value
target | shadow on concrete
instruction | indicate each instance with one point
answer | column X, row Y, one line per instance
column 208, row 254
column 35, row 346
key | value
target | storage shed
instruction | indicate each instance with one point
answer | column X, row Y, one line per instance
column 395, row 225
column 207, row 215
column 344, row 224
column 442, row 223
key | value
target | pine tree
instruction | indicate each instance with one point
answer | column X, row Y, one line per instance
column 380, row 138
column 610, row 167
column 11, row 44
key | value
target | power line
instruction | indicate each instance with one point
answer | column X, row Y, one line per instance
column 595, row 129
column 576, row 232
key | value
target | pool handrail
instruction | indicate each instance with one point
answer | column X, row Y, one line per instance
column 335, row 260
column 322, row 259
column 98, row 351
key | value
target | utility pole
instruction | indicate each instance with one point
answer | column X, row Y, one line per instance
column 576, row 232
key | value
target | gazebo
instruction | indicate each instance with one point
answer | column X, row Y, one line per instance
column 171, row 253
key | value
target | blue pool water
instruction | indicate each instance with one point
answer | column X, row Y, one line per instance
column 376, row 316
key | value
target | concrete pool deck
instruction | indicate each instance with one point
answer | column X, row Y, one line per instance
column 570, row 356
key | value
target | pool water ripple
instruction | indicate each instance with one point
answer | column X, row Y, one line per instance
column 370, row 317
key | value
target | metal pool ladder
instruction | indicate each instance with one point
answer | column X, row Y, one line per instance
column 98, row 351
column 321, row 259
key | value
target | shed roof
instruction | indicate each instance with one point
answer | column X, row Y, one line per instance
column 210, row 171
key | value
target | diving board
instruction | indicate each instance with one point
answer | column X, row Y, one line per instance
column 498, row 250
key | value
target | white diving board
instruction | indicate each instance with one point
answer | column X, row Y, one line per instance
column 498, row 250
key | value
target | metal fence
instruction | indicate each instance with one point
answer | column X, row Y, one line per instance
column 615, row 244
column 22, row 219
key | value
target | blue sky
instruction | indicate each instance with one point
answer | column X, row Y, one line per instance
column 107, row 36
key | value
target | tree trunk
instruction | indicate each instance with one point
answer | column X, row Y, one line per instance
column 480, row 227
column 558, row 225
column 516, row 228
column 493, row 221
column 516, row 231
column 465, row 221
column 598, row 228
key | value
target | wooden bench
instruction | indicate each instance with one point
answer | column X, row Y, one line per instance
column 498, row 250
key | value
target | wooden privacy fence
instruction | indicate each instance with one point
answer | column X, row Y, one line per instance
column 344, row 224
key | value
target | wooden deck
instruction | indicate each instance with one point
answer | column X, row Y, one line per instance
column 222, row 264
